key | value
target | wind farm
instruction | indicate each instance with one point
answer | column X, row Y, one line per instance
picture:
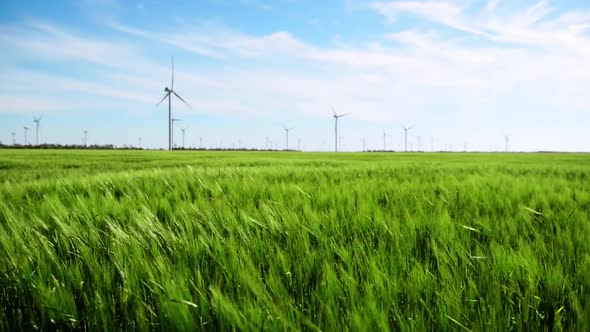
column 391, row 165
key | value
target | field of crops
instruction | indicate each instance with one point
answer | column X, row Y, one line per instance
column 144, row 240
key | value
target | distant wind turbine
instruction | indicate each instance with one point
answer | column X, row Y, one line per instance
column 37, row 120
column 26, row 130
column 336, row 117
column 169, row 93
column 86, row 138
column 287, row 136
column 506, row 141
column 13, row 138
column 406, row 129
column 172, row 128
column 183, row 130
column 384, row 140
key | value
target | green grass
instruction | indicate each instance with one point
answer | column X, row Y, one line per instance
column 139, row 240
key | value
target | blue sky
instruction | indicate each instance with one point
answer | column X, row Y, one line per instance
column 465, row 72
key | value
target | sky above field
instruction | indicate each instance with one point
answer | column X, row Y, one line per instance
column 466, row 73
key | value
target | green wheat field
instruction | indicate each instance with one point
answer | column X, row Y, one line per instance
column 287, row 241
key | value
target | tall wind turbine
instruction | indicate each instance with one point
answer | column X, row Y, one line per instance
column 384, row 140
column 37, row 120
column 287, row 136
column 169, row 93
column 86, row 138
column 406, row 129
column 13, row 138
column 336, row 117
column 26, row 129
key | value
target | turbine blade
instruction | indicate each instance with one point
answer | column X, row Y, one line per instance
column 166, row 95
column 341, row 115
column 172, row 85
column 176, row 94
column 333, row 110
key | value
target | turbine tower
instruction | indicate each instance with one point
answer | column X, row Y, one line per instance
column 37, row 120
column 287, row 137
column 169, row 92
column 506, row 141
column 406, row 129
column 172, row 128
column 26, row 129
column 13, row 138
column 384, row 140
column 336, row 117
column 419, row 143
column 183, row 130
column 85, row 138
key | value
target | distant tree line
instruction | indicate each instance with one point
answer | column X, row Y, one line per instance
column 60, row 146
column 114, row 147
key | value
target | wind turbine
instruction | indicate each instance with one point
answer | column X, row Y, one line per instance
column 169, row 93
column 406, row 129
column 172, row 128
column 26, row 129
column 183, row 130
column 506, row 141
column 287, row 136
column 85, row 138
column 384, row 140
column 13, row 138
column 419, row 143
column 37, row 120
column 336, row 117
